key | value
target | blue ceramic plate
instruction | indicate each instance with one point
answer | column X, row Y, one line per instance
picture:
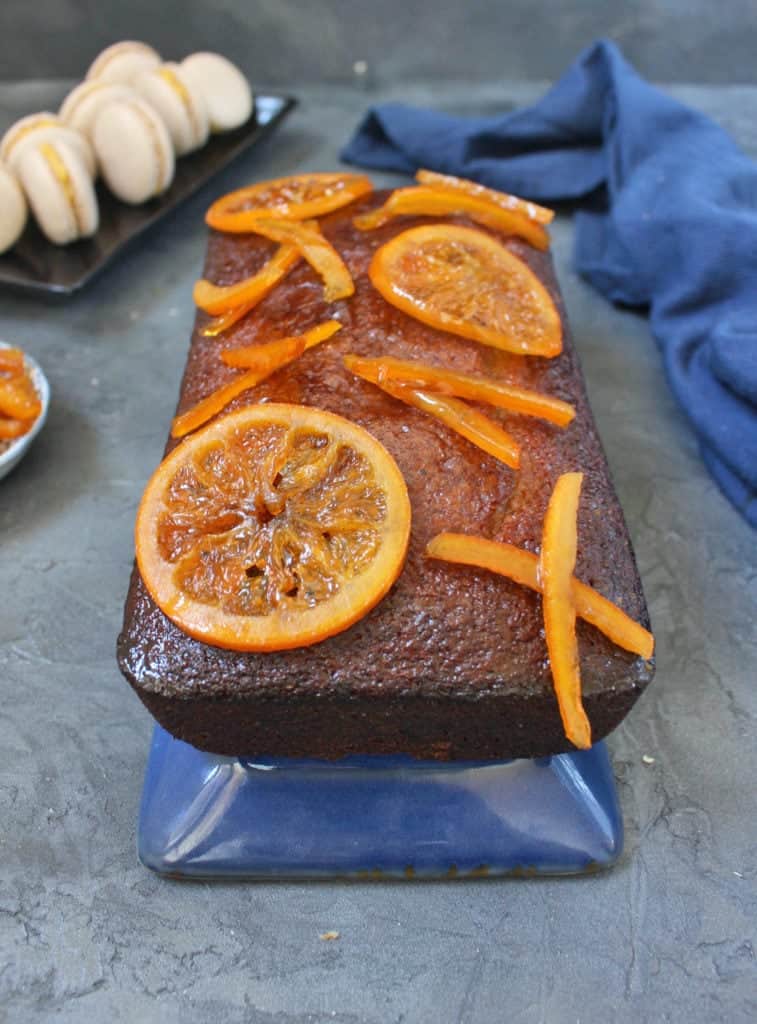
column 212, row 817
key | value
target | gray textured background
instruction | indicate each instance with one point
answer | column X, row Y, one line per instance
column 86, row 934
column 281, row 41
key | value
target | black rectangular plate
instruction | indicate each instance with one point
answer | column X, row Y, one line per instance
column 36, row 265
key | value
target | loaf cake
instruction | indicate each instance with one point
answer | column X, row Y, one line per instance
column 452, row 664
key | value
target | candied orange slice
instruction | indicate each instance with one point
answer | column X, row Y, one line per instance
column 540, row 214
column 468, row 422
column 319, row 253
column 274, row 354
column 447, row 382
column 266, row 360
column 422, row 201
column 523, row 567
column 215, row 299
column 274, row 527
column 297, row 197
column 556, row 564
column 464, row 281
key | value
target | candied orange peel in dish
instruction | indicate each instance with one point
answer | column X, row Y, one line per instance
column 539, row 214
column 462, row 280
column 564, row 597
column 429, row 201
column 383, row 369
column 297, row 197
column 275, row 527
column 306, row 236
column 20, row 405
column 215, row 299
column 266, row 360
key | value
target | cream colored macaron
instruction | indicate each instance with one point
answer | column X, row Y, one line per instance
column 60, row 191
column 82, row 105
column 43, row 127
column 179, row 102
column 227, row 92
column 122, row 62
column 12, row 210
column 134, row 150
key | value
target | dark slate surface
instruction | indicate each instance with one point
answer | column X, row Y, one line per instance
column 86, row 934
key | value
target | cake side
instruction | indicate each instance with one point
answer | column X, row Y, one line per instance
column 453, row 662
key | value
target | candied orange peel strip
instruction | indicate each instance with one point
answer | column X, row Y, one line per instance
column 222, row 323
column 540, row 214
column 468, row 422
column 277, row 353
column 297, row 197
column 523, row 567
column 556, row 564
column 270, row 358
column 306, row 236
column 448, row 382
column 429, row 201
column 218, row 299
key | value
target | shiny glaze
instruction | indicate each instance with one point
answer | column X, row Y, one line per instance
column 446, row 638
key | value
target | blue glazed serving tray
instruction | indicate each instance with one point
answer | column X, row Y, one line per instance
column 205, row 816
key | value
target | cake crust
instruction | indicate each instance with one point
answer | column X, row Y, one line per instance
column 452, row 664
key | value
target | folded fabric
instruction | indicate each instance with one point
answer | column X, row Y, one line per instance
column 672, row 224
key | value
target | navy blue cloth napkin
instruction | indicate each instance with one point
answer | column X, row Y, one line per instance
column 672, row 224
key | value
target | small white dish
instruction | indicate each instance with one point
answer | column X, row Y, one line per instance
column 11, row 455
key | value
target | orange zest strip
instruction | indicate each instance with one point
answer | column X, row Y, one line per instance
column 447, row 382
column 277, row 353
column 215, row 299
column 421, row 201
column 523, row 567
column 296, row 197
column 319, row 253
column 432, row 201
column 558, row 559
column 215, row 402
column 540, row 214
column 223, row 322
column 469, row 423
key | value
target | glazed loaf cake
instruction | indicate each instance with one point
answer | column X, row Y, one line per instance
column 452, row 664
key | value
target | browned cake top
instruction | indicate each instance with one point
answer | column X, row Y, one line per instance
column 443, row 629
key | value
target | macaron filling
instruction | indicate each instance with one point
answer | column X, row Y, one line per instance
column 160, row 156
column 59, row 171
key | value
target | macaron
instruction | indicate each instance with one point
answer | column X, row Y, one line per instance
column 179, row 102
column 134, row 150
column 43, row 127
column 12, row 210
column 122, row 62
column 82, row 105
column 59, row 190
column 227, row 92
